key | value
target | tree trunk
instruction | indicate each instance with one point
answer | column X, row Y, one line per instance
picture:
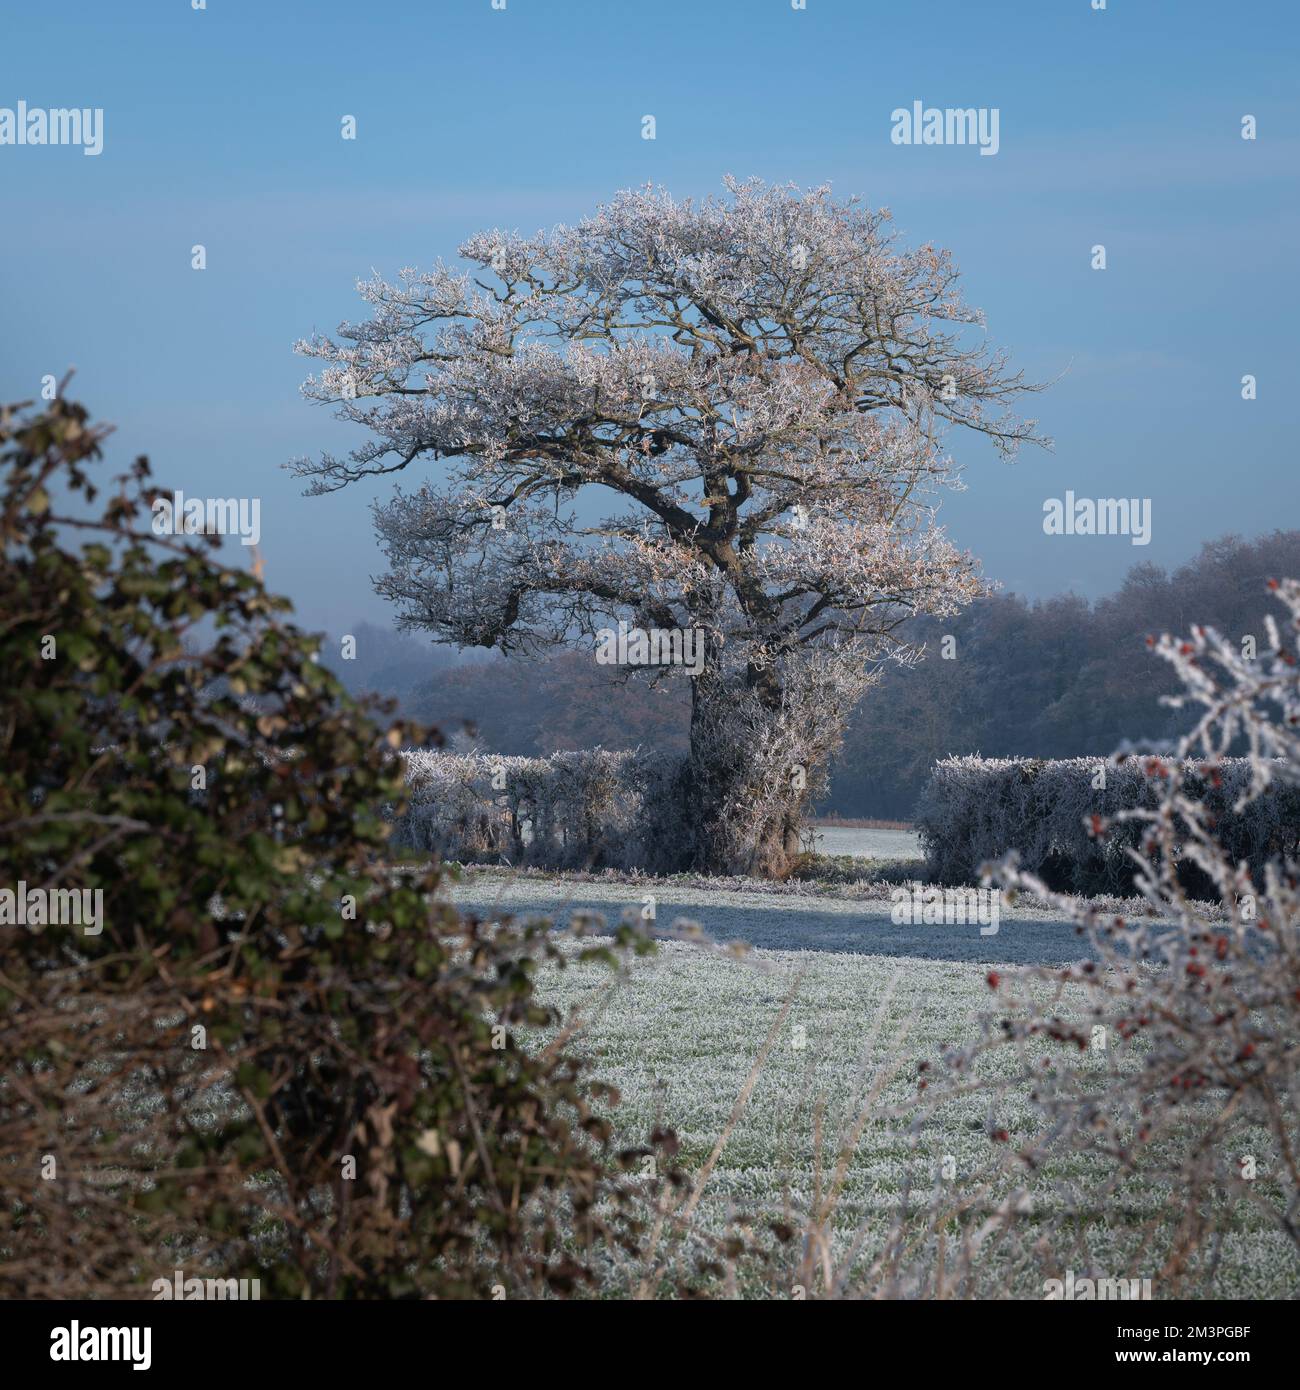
column 777, row 850
column 744, row 788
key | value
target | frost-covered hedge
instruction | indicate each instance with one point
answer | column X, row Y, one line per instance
column 973, row 810
column 587, row 809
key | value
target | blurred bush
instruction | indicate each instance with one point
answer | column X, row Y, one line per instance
column 276, row 1058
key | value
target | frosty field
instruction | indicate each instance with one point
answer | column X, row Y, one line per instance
column 785, row 921
column 679, row 1035
column 867, row 842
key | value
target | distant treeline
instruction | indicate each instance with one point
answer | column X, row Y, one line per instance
column 1057, row 678
column 1061, row 678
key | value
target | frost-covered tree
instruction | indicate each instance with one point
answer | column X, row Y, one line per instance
column 753, row 391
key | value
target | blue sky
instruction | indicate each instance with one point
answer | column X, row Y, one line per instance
column 221, row 127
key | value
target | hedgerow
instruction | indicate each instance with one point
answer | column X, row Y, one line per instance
column 591, row 809
column 975, row 810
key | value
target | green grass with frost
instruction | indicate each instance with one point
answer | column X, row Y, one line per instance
column 680, row 1035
